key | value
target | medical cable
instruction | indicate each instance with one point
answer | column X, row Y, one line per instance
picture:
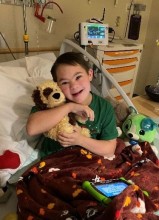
column 7, row 45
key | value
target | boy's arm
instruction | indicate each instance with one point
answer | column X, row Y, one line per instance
column 42, row 121
column 100, row 147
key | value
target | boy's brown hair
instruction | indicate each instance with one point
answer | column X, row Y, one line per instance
column 70, row 58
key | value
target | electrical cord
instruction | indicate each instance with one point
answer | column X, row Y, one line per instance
column 111, row 30
column 77, row 36
column 7, row 46
column 112, row 36
column 38, row 7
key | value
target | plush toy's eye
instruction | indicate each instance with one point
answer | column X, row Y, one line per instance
column 47, row 92
column 142, row 132
column 127, row 125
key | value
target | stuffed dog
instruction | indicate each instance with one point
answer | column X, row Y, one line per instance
column 48, row 95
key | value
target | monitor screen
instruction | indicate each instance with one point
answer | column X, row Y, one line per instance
column 96, row 31
column 93, row 33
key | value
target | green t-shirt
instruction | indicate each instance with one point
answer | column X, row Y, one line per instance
column 102, row 128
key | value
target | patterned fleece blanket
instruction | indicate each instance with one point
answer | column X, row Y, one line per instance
column 52, row 188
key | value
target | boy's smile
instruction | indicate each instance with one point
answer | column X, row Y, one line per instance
column 74, row 81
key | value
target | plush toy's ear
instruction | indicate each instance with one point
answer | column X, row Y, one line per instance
column 132, row 110
column 37, row 100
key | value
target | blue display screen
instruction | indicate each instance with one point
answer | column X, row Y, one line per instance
column 111, row 189
column 96, row 32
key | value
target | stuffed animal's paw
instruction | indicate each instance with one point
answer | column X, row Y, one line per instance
column 137, row 149
column 85, row 132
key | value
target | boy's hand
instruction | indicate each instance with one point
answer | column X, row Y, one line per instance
column 66, row 139
column 84, row 111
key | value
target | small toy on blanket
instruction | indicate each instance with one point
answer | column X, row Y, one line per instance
column 48, row 95
column 9, row 161
column 139, row 128
column 121, row 110
column 14, row 155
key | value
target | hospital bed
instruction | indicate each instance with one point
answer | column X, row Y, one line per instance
column 18, row 79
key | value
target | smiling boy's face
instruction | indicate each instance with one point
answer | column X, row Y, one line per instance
column 74, row 82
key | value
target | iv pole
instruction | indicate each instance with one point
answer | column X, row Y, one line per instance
column 25, row 36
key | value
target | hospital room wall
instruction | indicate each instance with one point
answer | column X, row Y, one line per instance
column 11, row 23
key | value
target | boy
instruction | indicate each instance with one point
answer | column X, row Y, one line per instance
column 73, row 75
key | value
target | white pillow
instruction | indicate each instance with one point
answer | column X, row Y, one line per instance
column 16, row 101
column 39, row 67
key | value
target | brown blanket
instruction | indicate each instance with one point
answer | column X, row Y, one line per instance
column 52, row 188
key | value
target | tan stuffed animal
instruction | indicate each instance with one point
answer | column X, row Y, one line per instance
column 121, row 110
column 48, row 95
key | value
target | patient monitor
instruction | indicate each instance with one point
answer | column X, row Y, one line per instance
column 93, row 33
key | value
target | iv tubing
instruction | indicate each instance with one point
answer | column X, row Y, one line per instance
column 48, row 4
column 7, row 45
column 37, row 7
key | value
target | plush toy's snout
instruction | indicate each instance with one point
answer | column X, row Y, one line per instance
column 130, row 135
column 133, row 136
column 56, row 95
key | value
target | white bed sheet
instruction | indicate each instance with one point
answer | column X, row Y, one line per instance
column 18, row 78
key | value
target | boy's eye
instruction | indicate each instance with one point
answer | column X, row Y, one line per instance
column 78, row 77
column 64, row 83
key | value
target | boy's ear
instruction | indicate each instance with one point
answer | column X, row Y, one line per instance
column 90, row 74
